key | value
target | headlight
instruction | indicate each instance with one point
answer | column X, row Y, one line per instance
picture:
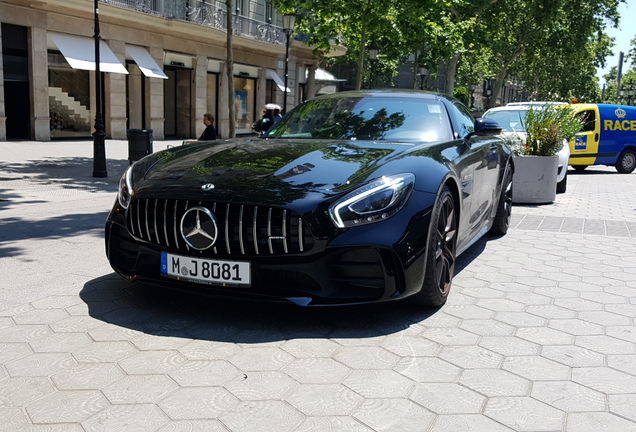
column 125, row 191
column 373, row 202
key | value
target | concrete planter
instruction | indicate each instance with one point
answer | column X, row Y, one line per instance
column 535, row 179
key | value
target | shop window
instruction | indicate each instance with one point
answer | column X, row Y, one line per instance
column 69, row 99
column 245, row 104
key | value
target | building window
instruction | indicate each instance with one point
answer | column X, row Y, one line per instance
column 244, row 103
column 69, row 99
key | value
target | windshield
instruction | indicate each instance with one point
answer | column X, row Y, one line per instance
column 509, row 120
column 367, row 118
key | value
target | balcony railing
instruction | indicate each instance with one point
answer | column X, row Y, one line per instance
column 210, row 14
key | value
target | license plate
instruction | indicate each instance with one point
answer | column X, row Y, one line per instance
column 206, row 271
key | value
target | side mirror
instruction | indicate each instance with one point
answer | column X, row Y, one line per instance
column 485, row 126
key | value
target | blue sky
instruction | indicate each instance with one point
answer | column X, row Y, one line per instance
column 625, row 32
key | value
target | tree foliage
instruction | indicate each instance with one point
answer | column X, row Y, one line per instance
column 552, row 46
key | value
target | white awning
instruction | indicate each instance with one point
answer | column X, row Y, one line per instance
column 146, row 63
column 80, row 53
column 279, row 82
column 322, row 76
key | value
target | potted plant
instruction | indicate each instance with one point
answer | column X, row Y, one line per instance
column 547, row 130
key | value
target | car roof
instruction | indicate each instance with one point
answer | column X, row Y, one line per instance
column 536, row 103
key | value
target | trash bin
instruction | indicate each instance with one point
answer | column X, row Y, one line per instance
column 139, row 143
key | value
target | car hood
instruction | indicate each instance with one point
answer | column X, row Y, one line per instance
column 274, row 172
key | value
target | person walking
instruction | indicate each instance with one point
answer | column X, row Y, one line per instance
column 210, row 131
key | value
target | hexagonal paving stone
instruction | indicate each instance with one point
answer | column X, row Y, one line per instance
column 495, row 382
column 204, row 373
column 302, row 348
column 448, row 398
column 626, row 333
column 525, row 414
column 155, row 361
column 606, row 344
column 316, row 370
column 131, row 418
column 568, row 396
column 198, row 403
column 508, row 346
column 61, row 342
column 324, row 399
column 67, row 406
column 623, row 405
column 394, row 415
column 259, row 416
column 572, row 355
column 576, row 327
column 376, row 384
column 20, row 391
column 625, row 363
column 261, row 385
column 313, row 424
column 488, row 327
column 366, row 357
column 261, row 359
column 13, row 419
column 38, row 316
column 520, row 319
column 411, row 346
column 104, row 352
column 605, row 380
column 75, row 324
column 193, row 426
column 544, row 336
column 85, row 376
column 139, row 389
column 471, row 357
column 24, row 333
column 208, row 350
column 450, row 336
column 13, row 350
column 536, row 368
column 428, row 369
column 40, row 364
column 599, row 422
column 467, row 423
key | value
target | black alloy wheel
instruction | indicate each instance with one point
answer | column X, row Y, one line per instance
column 504, row 208
column 442, row 247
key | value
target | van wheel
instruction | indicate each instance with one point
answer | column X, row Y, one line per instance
column 579, row 168
column 626, row 161
column 563, row 184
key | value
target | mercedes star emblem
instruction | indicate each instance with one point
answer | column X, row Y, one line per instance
column 207, row 186
column 198, row 228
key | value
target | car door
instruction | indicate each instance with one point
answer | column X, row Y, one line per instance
column 584, row 146
column 479, row 174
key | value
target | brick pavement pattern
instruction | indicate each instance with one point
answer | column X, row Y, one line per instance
column 538, row 333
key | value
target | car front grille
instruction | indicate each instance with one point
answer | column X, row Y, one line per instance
column 242, row 229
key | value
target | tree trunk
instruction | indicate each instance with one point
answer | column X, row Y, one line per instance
column 451, row 71
column 361, row 53
column 229, row 69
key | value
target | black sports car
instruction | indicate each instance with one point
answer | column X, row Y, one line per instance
column 356, row 197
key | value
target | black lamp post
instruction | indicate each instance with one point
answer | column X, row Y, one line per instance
column 289, row 21
column 629, row 91
column 423, row 73
column 99, row 148
column 373, row 55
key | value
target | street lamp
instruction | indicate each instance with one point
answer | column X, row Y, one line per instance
column 423, row 73
column 289, row 21
column 99, row 148
column 373, row 55
column 630, row 93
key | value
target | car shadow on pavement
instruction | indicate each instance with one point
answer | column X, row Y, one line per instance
column 163, row 312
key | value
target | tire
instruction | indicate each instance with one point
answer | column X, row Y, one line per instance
column 442, row 248
column 563, row 184
column 579, row 168
column 504, row 207
column 626, row 161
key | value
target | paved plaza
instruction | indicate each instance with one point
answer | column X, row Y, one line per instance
column 538, row 334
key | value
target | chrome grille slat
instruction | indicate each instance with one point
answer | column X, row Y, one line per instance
column 255, row 230
column 165, row 222
column 227, row 229
column 244, row 229
column 241, row 230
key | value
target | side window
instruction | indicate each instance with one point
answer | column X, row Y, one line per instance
column 464, row 121
column 589, row 120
